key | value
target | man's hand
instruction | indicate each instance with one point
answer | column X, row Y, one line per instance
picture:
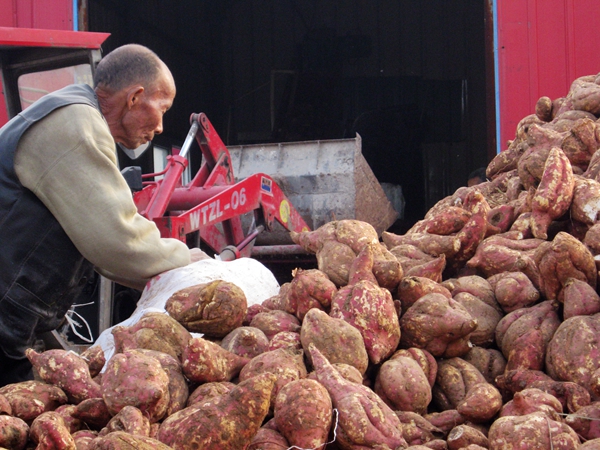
column 197, row 255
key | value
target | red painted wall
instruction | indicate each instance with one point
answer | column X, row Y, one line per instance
column 543, row 45
column 47, row 14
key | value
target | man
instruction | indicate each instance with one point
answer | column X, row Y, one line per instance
column 65, row 209
column 478, row 176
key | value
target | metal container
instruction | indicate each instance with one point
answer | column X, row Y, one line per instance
column 324, row 180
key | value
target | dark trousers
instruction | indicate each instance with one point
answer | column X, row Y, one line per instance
column 14, row 370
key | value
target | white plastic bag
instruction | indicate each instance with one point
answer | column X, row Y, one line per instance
column 252, row 277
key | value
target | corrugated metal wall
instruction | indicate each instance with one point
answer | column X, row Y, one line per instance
column 543, row 46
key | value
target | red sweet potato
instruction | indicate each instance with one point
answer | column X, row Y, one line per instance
column 464, row 436
column 339, row 341
column 273, row 321
column 519, row 432
column 228, row 421
column 435, row 323
column 5, row 406
column 67, row 370
column 14, row 432
column 287, row 364
column 131, row 420
column 513, row 290
column 95, row 359
column 268, row 439
column 203, row 361
column 579, row 299
column 48, row 431
column 154, row 331
column 523, row 335
column 303, row 413
column 29, row 399
column 586, row 422
column 369, row 308
column 208, row 390
column 308, row 289
column 412, row 288
column 120, row 440
column 93, row 412
column 178, row 385
column 214, row 308
column 246, row 341
column 285, row 339
column 403, row 385
column 135, row 379
column 364, row 419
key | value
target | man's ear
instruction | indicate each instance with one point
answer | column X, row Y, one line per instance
column 133, row 95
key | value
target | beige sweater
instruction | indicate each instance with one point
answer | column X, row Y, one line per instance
column 68, row 160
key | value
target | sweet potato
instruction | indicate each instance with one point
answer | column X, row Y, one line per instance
column 14, row 432
column 67, row 370
column 412, row 288
column 369, row 308
column 48, row 431
column 29, row 399
column 214, row 308
column 487, row 316
column 83, row 438
column 454, row 378
column 586, row 422
column 303, row 413
column 423, row 358
column 572, row 396
column 120, row 440
column 336, row 244
column 445, row 420
column 154, row 331
column 563, row 258
column 523, row 335
column 67, row 412
column 434, row 323
column 364, row 419
column 203, row 361
column 463, row 436
column 95, row 359
column 513, row 290
column 518, row 432
column 579, row 299
column 228, row 421
column 531, row 400
column 572, row 353
column 285, row 339
column 208, row 390
column 417, row 430
column 274, row 321
column 387, row 269
column 246, row 341
column 402, row 384
column 268, row 439
column 178, row 386
column 481, row 403
column 93, row 412
column 135, row 379
column 554, row 192
column 308, row 289
column 489, row 361
column 130, row 420
column 432, row 244
column 5, row 406
column 339, row 341
column 287, row 364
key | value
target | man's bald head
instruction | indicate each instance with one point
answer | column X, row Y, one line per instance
column 128, row 65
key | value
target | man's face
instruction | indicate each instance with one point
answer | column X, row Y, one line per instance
column 144, row 117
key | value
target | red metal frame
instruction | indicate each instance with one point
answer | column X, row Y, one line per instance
column 34, row 37
column 213, row 203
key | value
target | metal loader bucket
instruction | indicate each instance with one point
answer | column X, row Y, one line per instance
column 324, row 180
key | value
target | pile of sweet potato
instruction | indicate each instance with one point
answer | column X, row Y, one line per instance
column 479, row 328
